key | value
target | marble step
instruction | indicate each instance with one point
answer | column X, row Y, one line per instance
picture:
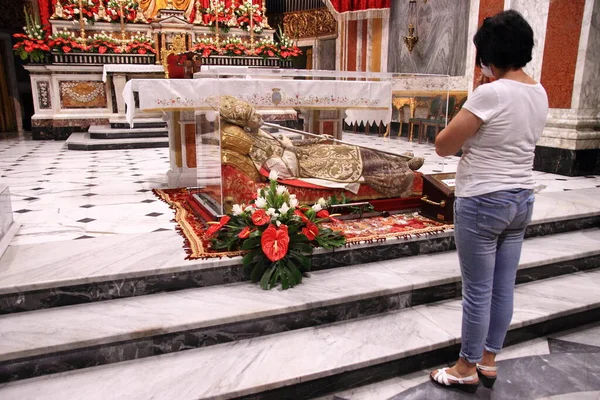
column 152, row 263
column 120, row 330
column 138, row 123
column 83, row 141
column 310, row 362
column 106, row 132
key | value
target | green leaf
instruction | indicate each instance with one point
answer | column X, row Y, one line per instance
column 266, row 278
column 251, row 243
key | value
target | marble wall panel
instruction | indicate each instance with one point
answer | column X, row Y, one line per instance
column 6, row 216
column 589, row 59
column 327, row 51
column 536, row 13
column 442, row 29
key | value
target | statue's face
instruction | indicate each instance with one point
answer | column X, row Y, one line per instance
column 255, row 121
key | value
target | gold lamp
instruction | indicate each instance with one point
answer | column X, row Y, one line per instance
column 412, row 38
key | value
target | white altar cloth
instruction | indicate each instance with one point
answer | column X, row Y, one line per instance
column 131, row 69
column 363, row 100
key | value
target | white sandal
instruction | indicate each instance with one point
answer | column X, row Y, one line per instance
column 488, row 381
column 443, row 378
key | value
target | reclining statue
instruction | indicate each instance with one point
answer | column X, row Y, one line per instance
column 318, row 162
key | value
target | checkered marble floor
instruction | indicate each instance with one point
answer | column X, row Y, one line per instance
column 60, row 194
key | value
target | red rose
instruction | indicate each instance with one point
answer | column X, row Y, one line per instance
column 214, row 228
column 275, row 242
column 260, row 218
column 245, row 233
column 303, row 217
column 311, row 231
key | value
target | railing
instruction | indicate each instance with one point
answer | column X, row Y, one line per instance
column 99, row 59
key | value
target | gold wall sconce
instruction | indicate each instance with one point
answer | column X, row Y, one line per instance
column 413, row 15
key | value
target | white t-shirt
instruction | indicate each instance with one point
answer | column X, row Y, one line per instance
column 500, row 155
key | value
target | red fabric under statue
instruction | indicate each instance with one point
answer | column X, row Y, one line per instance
column 46, row 8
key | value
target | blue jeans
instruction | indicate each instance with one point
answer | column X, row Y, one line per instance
column 489, row 232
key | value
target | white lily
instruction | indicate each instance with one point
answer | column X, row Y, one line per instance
column 271, row 212
column 293, row 202
column 317, row 207
column 260, row 202
column 250, row 208
column 278, row 223
column 273, row 175
column 237, row 210
column 281, row 190
column 284, row 208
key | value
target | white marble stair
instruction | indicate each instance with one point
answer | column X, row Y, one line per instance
column 243, row 310
column 108, row 132
column 84, row 141
column 287, row 360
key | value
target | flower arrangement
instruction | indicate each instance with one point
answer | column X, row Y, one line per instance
column 206, row 45
column 32, row 45
column 247, row 10
column 266, row 48
column 217, row 13
column 71, row 10
column 113, row 10
column 277, row 233
column 234, row 46
column 140, row 44
column 103, row 43
column 66, row 42
column 287, row 47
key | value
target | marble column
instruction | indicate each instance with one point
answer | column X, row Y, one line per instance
column 570, row 144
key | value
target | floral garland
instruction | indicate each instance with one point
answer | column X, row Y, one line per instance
column 207, row 46
column 71, row 10
column 243, row 13
column 277, row 233
column 287, row 47
column 266, row 48
column 32, row 44
column 140, row 44
column 217, row 13
column 113, row 11
column 234, row 46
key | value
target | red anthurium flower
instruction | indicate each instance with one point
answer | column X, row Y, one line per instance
column 260, row 217
column 102, row 49
column 311, row 231
column 214, row 228
column 323, row 214
column 275, row 242
column 245, row 233
column 66, row 49
column 301, row 215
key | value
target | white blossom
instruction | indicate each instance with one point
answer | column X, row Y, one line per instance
column 293, row 202
column 237, row 210
column 281, row 190
column 260, row 202
column 317, row 207
column 273, row 175
column 322, row 202
column 284, row 208
column 271, row 212
column 292, row 196
column 278, row 223
column 250, row 208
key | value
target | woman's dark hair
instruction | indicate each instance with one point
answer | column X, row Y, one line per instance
column 504, row 40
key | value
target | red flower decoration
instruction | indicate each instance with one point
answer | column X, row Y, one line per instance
column 323, row 214
column 66, row 49
column 245, row 233
column 102, row 49
column 214, row 228
column 260, row 218
column 311, row 231
column 302, row 216
column 275, row 242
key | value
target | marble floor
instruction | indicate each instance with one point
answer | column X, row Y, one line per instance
column 519, row 361
column 60, row 194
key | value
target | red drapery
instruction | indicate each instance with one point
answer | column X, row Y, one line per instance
column 359, row 9
column 46, row 8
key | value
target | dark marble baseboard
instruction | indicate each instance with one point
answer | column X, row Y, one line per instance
column 129, row 135
column 53, row 133
column 351, row 379
column 191, row 339
column 141, row 144
column 116, row 289
column 567, row 162
column 125, row 125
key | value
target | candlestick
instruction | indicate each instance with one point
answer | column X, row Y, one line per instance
column 216, row 6
column 252, row 47
column 81, row 22
column 264, row 15
column 121, row 2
